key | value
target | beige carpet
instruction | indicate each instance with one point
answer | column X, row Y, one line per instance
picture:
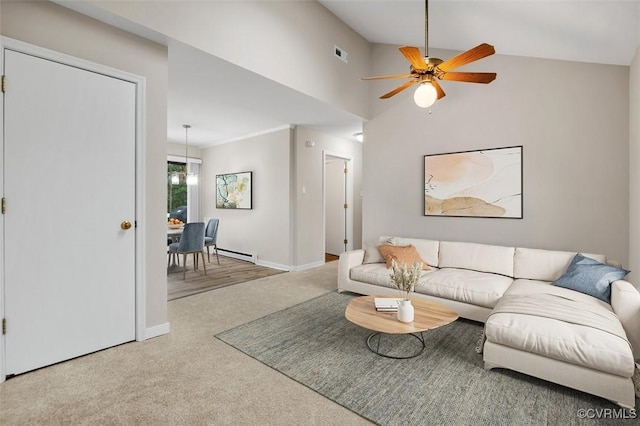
column 186, row 377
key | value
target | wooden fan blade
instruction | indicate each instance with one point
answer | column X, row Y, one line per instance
column 470, row 77
column 398, row 89
column 388, row 77
column 481, row 51
column 414, row 56
column 439, row 90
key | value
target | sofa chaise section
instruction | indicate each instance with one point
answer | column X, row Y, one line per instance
column 562, row 339
column 561, row 335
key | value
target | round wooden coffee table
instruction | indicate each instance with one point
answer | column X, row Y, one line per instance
column 428, row 315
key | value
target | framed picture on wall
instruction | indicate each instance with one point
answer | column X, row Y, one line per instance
column 234, row 191
column 483, row 183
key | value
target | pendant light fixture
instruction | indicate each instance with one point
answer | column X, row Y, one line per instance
column 175, row 178
column 192, row 179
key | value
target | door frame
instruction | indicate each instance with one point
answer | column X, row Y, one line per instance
column 348, row 196
column 140, row 143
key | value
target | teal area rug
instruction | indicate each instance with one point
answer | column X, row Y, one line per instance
column 315, row 345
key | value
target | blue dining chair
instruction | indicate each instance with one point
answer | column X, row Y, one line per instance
column 211, row 237
column 191, row 241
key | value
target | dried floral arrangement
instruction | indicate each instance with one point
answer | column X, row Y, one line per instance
column 405, row 279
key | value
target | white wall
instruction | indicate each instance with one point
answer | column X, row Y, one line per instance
column 54, row 27
column 634, row 168
column 309, row 217
column 285, row 228
column 572, row 119
column 298, row 51
column 178, row 150
column 265, row 229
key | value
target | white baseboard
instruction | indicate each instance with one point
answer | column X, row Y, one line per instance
column 308, row 266
column 253, row 258
column 273, row 265
column 156, row 330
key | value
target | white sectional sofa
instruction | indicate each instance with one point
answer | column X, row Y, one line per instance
column 531, row 326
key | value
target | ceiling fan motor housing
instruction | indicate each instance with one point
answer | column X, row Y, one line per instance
column 431, row 63
column 429, row 72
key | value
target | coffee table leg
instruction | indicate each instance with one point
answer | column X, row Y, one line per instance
column 419, row 337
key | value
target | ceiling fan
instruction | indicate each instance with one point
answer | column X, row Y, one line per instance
column 426, row 71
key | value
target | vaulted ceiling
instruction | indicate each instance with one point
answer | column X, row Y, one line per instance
column 237, row 103
column 599, row 31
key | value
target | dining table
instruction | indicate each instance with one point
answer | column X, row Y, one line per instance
column 174, row 233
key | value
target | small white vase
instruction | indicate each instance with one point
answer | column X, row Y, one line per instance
column 405, row 311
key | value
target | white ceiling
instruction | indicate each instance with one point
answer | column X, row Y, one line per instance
column 223, row 102
column 601, row 31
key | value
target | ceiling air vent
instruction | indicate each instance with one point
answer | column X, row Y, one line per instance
column 339, row 53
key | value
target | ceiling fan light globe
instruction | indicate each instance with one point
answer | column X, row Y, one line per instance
column 425, row 95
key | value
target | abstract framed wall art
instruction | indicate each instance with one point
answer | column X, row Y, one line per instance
column 234, row 191
column 483, row 183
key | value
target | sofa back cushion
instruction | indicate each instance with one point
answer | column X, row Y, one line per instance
column 477, row 257
column 427, row 249
column 545, row 265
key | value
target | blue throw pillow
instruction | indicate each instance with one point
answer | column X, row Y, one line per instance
column 590, row 277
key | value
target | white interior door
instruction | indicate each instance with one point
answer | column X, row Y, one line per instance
column 69, row 182
column 334, row 201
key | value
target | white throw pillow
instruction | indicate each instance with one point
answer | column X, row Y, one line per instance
column 371, row 252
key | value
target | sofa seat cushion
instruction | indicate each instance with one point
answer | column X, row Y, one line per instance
column 463, row 285
column 577, row 332
column 522, row 287
column 375, row 273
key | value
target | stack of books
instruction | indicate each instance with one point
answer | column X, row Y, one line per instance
column 386, row 304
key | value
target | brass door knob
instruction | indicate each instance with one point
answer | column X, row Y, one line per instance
column 125, row 225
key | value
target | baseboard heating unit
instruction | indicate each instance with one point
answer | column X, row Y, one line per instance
column 249, row 257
